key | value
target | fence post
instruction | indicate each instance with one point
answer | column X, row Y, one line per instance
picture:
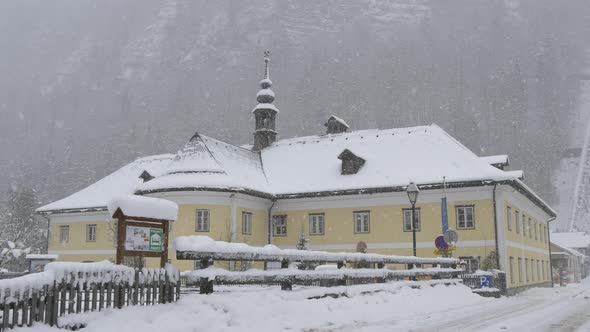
column 286, row 285
column 136, row 287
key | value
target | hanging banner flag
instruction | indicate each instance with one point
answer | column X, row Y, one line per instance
column 444, row 214
column 443, row 207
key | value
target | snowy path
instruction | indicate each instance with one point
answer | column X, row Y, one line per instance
column 557, row 309
column 371, row 308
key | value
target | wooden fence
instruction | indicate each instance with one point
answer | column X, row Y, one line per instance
column 286, row 278
column 44, row 297
column 205, row 249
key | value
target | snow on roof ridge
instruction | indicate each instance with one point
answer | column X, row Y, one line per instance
column 350, row 134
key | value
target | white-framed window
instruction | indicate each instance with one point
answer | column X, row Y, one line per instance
column 202, row 220
column 246, row 223
column 361, row 221
column 509, row 217
column 511, row 270
column 465, row 217
column 316, row 224
column 520, row 275
column 517, row 221
column 526, row 268
column 523, row 219
column 91, row 233
column 533, row 274
column 530, row 228
column 279, row 225
column 538, row 270
column 543, row 270
column 64, row 233
column 407, row 213
column 471, row 263
column 536, row 232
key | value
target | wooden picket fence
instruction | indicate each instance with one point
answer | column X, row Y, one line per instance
column 77, row 292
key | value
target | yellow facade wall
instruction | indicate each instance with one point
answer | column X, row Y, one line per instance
column 386, row 226
column 524, row 244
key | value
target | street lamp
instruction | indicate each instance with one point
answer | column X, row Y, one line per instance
column 413, row 192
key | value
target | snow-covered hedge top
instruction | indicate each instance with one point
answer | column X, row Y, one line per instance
column 141, row 206
column 204, row 246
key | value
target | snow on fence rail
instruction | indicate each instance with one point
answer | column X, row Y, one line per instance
column 203, row 247
column 65, row 288
column 255, row 276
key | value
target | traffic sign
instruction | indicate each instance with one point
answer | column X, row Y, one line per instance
column 440, row 243
column 451, row 236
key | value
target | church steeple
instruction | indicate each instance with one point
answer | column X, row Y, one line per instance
column 265, row 112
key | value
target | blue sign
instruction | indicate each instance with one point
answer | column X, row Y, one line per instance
column 444, row 214
column 485, row 281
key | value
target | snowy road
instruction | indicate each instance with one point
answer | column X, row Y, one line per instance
column 370, row 308
column 557, row 309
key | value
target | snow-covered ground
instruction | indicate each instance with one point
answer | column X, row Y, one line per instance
column 376, row 307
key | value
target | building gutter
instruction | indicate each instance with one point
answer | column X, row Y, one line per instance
column 549, row 247
column 496, row 225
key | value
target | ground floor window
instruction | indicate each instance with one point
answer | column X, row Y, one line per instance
column 279, row 225
column 361, row 222
column 520, row 279
column 526, row 268
column 64, row 233
column 91, row 233
column 511, row 270
column 246, row 223
column 465, row 217
column 407, row 213
column 316, row 224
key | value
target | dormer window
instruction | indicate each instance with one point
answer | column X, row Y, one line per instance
column 336, row 125
column 146, row 176
column 351, row 163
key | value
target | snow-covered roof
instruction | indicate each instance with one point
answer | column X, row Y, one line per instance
column 566, row 250
column 121, row 182
column 394, row 157
column 213, row 164
column 519, row 174
column 571, row 240
column 497, row 160
column 301, row 166
column 143, row 206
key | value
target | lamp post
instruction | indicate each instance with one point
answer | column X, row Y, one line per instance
column 412, row 192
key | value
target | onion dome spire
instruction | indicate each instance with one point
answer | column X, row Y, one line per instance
column 265, row 112
column 266, row 95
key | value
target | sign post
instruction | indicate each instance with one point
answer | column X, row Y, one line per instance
column 142, row 237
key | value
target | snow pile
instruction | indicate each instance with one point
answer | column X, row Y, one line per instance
column 205, row 246
column 141, row 206
column 398, row 306
column 255, row 275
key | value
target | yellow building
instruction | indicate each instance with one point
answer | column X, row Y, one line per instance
column 338, row 189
